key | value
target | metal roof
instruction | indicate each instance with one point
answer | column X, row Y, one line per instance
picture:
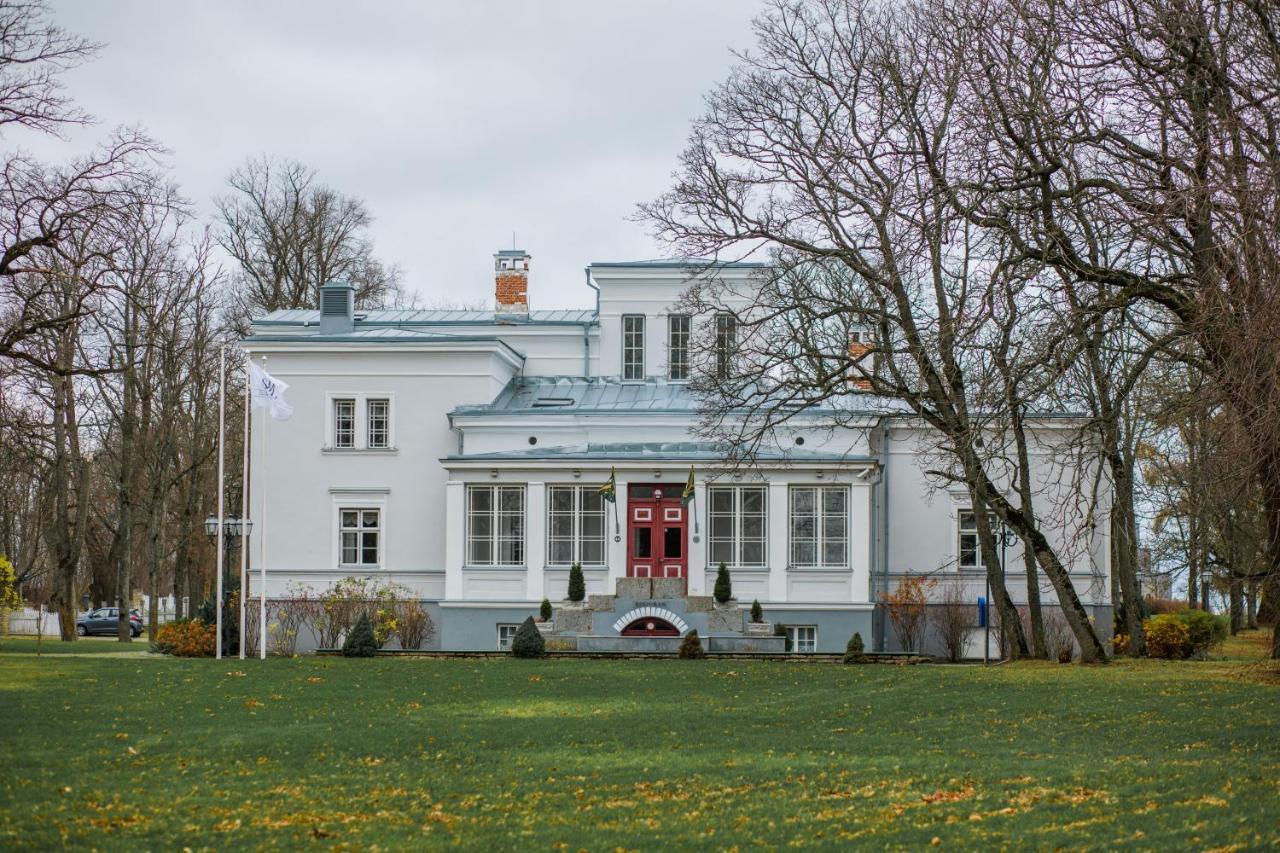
column 683, row 451
column 432, row 317
column 575, row 395
column 683, row 263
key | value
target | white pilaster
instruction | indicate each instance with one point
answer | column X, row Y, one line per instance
column 698, row 550
column 860, row 521
column 455, row 532
column 535, row 551
column 777, row 513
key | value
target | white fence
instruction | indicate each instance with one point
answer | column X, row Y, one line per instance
column 30, row 620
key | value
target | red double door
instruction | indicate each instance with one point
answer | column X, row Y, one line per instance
column 657, row 524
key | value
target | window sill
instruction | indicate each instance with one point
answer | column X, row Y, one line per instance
column 763, row 570
column 359, row 451
column 487, row 568
column 360, row 567
column 824, row 569
column 564, row 567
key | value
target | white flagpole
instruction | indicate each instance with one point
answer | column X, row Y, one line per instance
column 244, row 506
column 222, row 428
column 262, row 537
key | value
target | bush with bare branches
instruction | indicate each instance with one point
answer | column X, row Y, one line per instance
column 907, row 606
column 955, row 618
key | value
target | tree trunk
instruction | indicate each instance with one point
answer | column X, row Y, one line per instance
column 1251, row 605
column 1011, row 635
column 1036, row 618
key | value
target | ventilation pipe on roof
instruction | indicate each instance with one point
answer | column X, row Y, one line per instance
column 337, row 308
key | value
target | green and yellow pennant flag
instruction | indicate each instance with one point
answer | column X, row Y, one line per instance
column 686, row 497
column 609, row 491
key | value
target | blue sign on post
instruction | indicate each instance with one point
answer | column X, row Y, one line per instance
column 982, row 611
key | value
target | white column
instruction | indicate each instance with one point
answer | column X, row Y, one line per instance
column 617, row 551
column 455, row 532
column 535, row 548
column 777, row 519
column 698, row 550
column 860, row 540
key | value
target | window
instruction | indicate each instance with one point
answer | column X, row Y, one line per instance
column 726, row 343
column 495, row 525
column 344, row 422
column 737, row 525
column 575, row 526
column 506, row 633
column 820, row 526
column 379, row 423
column 359, row 531
column 678, row 328
column 632, row 346
column 970, row 553
column 802, row 639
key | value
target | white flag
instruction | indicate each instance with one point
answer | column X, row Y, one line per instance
column 268, row 392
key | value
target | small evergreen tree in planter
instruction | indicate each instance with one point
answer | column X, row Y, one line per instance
column 691, row 647
column 528, row 642
column 544, row 611
column 757, row 612
column 724, row 586
column 577, row 584
column 854, row 652
column 360, row 643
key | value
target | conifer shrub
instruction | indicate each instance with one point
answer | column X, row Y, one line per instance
column 691, row 647
column 544, row 611
column 528, row 642
column 757, row 612
column 854, row 652
column 360, row 642
column 577, row 583
column 724, row 586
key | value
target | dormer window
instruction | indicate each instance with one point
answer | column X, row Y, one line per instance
column 633, row 346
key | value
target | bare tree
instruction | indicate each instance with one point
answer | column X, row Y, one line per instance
column 289, row 234
column 34, row 52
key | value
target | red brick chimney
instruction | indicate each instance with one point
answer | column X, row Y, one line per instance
column 858, row 351
column 511, row 282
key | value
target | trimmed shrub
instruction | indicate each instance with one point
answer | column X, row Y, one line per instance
column 528, row 642
column 724, row 586
column 544, row 611
column 1204, row 629
column 854, row 652
column 577, row 583
column 691, row 647
column 1167, row 637
column 757, row 612
column 360, row 643
column 186, row 638
column 413, row 623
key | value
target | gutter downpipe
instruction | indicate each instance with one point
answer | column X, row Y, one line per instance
column 586, row 340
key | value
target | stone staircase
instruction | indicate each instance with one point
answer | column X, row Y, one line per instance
column 596, row 625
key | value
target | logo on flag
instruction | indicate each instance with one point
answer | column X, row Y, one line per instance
column 609, row 491
column 268, row 393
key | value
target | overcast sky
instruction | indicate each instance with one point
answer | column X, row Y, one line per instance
column 457, row 122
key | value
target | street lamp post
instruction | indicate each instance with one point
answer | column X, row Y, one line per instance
column 1006, row 538
column 233, row 528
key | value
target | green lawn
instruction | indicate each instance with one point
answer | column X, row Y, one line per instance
column 117, row 751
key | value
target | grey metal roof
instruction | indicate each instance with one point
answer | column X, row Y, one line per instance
column 683, row 263
column 682, row 451
column 575, row 395
column 434, row 317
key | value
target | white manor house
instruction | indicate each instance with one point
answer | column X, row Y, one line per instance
column 460, row 454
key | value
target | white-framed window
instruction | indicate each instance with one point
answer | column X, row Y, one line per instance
column 679, row 329
column 575, row 526
column 344, row 422
column 969, row 553
column 506, row 634
column 633, row 346
column 736, row 526
column 726, row 343
column 803, row 639
column 378, row 423
column 360, row 536
column 820, row 526
column 495, row 525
